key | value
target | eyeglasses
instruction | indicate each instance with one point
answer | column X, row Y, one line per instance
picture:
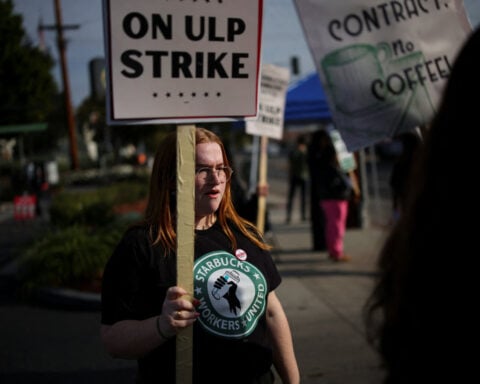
column 222, row 173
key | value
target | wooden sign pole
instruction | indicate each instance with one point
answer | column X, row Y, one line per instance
column 262, row 183
column 185, row 241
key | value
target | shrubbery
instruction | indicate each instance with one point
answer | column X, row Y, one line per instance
column 83, row 232
column 71, row 257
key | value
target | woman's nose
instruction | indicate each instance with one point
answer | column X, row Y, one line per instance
column 215, row 176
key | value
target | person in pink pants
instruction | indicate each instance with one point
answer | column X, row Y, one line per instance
column 336, row 212
column 334, row 188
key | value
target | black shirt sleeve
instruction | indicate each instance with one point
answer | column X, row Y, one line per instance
column 135, row 279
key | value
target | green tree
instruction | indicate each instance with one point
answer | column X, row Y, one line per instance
column 28, row 90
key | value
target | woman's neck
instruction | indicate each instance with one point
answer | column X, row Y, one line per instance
column 205, row 222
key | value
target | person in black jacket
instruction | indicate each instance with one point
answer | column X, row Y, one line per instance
column 297, row 177
column 333, row 189
column 317, row 218
column 399, row 178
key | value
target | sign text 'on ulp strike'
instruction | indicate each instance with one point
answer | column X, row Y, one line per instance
column 175, row 64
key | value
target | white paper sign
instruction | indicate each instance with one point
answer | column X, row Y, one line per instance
column 383, row 64
column 345, row 158
column 271, row 110
column 182, row 60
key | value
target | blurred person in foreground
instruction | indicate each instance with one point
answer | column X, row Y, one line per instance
column 240, row 328
column 422, row 314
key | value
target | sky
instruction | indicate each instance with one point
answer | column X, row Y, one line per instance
column 283, row 36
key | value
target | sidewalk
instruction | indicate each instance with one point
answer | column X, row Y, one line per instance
column 323, row 301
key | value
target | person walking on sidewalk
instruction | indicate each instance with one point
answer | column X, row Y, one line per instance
column 334, row 188
column 399, row 177
column 297, row 177
column 240, row 330
column 317, row 217
column 421, row 315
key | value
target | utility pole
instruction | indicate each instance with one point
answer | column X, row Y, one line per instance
column 59, row 27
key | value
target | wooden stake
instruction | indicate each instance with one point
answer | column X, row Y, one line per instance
column 185, row 241
column 262, row 183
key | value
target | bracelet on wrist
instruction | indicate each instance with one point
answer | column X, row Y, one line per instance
column 162, row 335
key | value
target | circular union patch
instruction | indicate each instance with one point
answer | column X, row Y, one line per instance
column 232, row 294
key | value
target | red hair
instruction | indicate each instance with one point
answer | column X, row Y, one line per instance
column 160, row 210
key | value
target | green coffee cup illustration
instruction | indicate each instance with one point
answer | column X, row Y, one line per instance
column 349, row 72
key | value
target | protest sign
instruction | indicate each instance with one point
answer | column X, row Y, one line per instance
column 345, row 158
column 186, row 61
column 269, row 123
column 271, row 110
column 182, row 62
column 383, row 64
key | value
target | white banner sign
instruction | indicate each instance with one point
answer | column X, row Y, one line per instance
column 383, row 64
column 182, row 60
column 271, row 110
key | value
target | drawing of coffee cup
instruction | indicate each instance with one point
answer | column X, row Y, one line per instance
column 349, row 72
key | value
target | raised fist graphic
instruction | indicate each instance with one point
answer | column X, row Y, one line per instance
column 226, row 286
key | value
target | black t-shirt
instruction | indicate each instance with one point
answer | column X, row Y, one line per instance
column 230, row 337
